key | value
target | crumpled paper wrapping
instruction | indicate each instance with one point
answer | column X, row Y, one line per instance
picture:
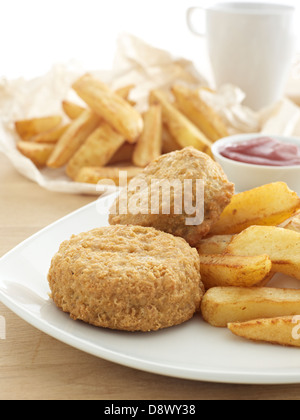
column 135, row 63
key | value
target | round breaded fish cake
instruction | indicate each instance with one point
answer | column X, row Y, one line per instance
column 128, row 278
column 159, row 197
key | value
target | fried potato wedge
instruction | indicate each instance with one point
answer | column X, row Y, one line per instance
column 73, row 139
column 149, row 144
column 223, row 305
column 181, row 128
column 281, row 245
column 293, row 223
column 189, row 102
column 123, row 155
column 51, row 136
column 169, row 144
column 97, row 150
column 36, row 152
column 110, row 106
column 268, row 205
column 95, row 175
column 124, row 91
column 214, row 245
column 218, row 244
column 31, row 127
column 228, row 270
column 72, row 110
column 283, row 331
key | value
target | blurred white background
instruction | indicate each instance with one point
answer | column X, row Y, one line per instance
column 35, row 34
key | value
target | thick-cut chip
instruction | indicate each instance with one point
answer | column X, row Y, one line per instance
column 124, row 91
column 36, row 152
column 218, row 244
column 189, row 102
column 149, row 145
column 268, row 205
column 51, row 136
column 293, row 223
column 228, row 270
column 214, row 245
column 73, row 139
column 31, row 127
column 281, row 330
column 185, row 133
column 118, row 175
column 97, row 150
column 110, row 106
column 123, row 155
column 72, row 110
column 222, row 305
column 169, row 144
column 281, row 245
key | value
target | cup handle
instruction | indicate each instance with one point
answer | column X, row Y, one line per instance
column 189, row 16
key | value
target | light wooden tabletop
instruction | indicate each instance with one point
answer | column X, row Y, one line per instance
column 36, row 366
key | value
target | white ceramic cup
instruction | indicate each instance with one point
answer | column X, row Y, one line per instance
column 250, row 45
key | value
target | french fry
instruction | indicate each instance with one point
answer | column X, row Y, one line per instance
column 73, row 139
column 149, row 144
column 228, row 270
column 281, row 330
column 189, row 102
column 123, row 155
column 51, row 136
column 110, row 106
column 72, row 110
column 218, row 244
column 205, row 88
column 281, row 245
column 223, row 305
column 293, row 223
column 31, row 127
column 95, row 175
column 214, row 245
column 37, row 153
column 268, row 205
column 181, row 128
column 97, row 150
column 124, row 92
column 169, row 144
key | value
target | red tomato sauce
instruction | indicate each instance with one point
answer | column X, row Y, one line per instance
column 263, row 151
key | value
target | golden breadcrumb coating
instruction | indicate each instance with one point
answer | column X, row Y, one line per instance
column 186, row 164
column 127, row 278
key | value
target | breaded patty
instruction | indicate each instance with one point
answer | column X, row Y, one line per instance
column 179, row 166
column 127, row 278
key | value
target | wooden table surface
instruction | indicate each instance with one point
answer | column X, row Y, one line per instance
column 37, row 367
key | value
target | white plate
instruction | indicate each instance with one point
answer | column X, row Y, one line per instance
column 193, row 350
